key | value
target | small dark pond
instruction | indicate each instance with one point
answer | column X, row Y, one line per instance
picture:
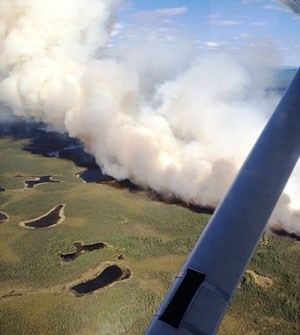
column 50, row 219
column 2, row 189
column 111, row 274
column 81, row 248
column 32, row 181
column 3, row 217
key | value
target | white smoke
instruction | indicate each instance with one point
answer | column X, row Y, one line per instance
column 156, row 115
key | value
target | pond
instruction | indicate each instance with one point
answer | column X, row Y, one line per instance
column 3, row 217
column 81, row 248
column 32, row 181
column 94, row 175
column 110, row 275
column 53, row 217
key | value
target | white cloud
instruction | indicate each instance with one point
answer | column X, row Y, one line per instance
column 225, row 23
column 214, row 16
column 161, row 34
column 285, row 48
column 118, row 26
column 210, row 45
column 162, row 14
column 167, row 21
column 251, row 1
column 214, row 44
column 178, row 11
column 276, row 8
column 242, row 37
column 259, row 24
column 166, row 30
column 116, row 30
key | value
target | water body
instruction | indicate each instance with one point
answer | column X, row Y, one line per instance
column 81, row 248
column 94, row 175
column 3, row 217
column 110, row 275
column 46, row 142
column 51, row 218
column 30, row 183
column 54, row 144
column 2, row 189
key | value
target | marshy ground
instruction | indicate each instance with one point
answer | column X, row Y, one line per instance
column 143, row 245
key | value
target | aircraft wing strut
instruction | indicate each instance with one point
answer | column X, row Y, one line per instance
column 207, row 282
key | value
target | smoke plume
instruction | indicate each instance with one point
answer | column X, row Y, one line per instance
column 165, row 118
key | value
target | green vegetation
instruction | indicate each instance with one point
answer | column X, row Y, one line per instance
column 154, row 239
column 276, row 309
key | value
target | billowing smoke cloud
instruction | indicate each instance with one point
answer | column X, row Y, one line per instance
column 167, row 120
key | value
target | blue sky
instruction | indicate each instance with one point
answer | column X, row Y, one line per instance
column 230, row 25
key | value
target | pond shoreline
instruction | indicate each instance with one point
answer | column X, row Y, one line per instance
column 55, row 215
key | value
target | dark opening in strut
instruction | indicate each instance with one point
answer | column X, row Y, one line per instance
column 178, row 305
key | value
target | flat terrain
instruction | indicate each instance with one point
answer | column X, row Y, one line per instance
column 150, row 238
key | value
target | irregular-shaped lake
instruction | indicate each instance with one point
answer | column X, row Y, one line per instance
column 53, row 217
column 81, row 248
column 94, row 175
column 110, row 275
column 32, row 181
